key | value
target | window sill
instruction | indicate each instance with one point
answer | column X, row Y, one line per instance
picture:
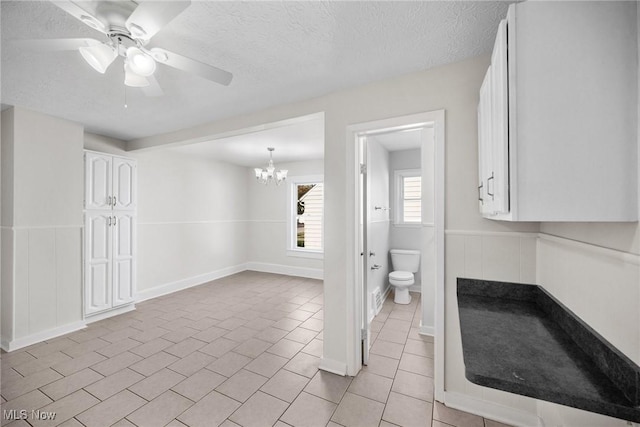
column 301, row 253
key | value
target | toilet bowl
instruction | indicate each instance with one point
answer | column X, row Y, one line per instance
column 405, row 263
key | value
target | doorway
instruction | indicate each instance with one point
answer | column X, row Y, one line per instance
column 378, row 207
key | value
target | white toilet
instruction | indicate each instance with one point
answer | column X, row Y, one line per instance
column 405, row 263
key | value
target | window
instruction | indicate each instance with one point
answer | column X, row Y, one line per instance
column 306, row 217
column 409, row 196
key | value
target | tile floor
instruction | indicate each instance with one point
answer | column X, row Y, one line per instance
column 243, row 350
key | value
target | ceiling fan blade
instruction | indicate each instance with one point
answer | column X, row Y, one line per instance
column 183, row 63
column 49, row 45
column 150, row 16
column 154, row 89
column 80, row 14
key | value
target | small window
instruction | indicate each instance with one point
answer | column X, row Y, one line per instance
column 306, row 213
column 409, row 197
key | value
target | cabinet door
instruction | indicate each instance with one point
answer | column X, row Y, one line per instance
column 485, row 157
column 498, row 184
column 98, row 170
column 123, row 257
column 97, row 247
column 124, row 183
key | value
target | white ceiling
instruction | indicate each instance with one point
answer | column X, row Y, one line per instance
column 302, row 140
column 399, row 140
column 279, row 52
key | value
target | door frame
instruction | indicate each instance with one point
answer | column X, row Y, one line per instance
column 355, row 304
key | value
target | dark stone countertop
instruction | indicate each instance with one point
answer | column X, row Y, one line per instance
column 518, row 338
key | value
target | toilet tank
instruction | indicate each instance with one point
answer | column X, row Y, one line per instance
column 405, row 260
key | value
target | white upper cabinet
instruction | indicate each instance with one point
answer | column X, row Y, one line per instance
column 558, row 111
column 110, row 182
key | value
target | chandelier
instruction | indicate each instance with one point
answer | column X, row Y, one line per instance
column 264, row 175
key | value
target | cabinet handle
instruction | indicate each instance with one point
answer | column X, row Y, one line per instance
column 109, row 222
column 114, row 220
column 488, row 192
column 480, row 192
column 114, row 201
column 109, row 200
column 376, row 266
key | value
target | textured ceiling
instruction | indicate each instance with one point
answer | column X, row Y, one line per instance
column 278, row 52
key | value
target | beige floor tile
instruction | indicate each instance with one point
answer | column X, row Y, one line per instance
column 393, row 336
column 455, row 417
column 118, row 347
column 313, row 324
column 314, row 348
column 372, row 386
column 42, row 349
column 416, row 364
column 252, row 347
column 401, row 315
column 413, row 385
column 192, row 363
column 381, row 365
column 119, row 335
column 111, row 410
column 66, row 408
column 199, row 384
column 150, row 334
column 229, row 364
column 311, row 307
column 208, row 335
column 301, row 335
column 76, row 364
column 285, row 348
column 180, row 334
column 154, row 363
column 241, row 334
column 210, row 411
column 116, row 364
column 358, row 411
column 9, row 375
column 436, row 423
column 42, row 363
column 15, row 358
column 231, row 323
column 241, row 385
column 287, row 324
column 186, row 347
column 491, row 423
column 114, row 383
column 419, row 347
column 303, row 364
column 260, row 410
column 406, row 411
column 72, row 422
column 387, row 349
column 271, row 334
column 309, row 411
column 160, row 410
column 219, row 347
column 259, row 324
column 20, row 386
column 123, row 423
column 156, row 384
column 204, row 323
column 328, row 386
column 151, row 347
column 28, row 402
column 77, row 350
column 285, row 385
column 267, row 364
column 73, row 382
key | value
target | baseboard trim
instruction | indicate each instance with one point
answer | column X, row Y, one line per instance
column 263, row 267
column 333, row 366
column 491, row 410
column 42, row 336
column 189, row 282
column 427, row 330
column 109, row 313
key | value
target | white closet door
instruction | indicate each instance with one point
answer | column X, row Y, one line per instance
column 97, row 262
column 123, row 257
column 98, row 171
column 124, row 183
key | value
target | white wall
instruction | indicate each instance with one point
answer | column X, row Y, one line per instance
column 267, row 250
column 378, row 221
column 192, row 220
column 42, row 223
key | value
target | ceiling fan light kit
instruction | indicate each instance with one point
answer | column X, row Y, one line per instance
column 128, row 27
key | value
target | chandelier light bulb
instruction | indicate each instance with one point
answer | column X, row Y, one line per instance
column 269, row 173
column 139, row 62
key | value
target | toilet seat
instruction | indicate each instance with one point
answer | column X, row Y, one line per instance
column 400, row 276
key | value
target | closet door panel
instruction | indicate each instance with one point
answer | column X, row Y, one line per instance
column 124, row 183
column 123, row 258
column 97, row 262
column 98, row 171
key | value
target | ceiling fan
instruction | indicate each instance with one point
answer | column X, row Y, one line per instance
column 128, row 27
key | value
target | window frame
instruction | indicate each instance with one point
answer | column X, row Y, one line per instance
column 399, row 175
column 292, row 201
